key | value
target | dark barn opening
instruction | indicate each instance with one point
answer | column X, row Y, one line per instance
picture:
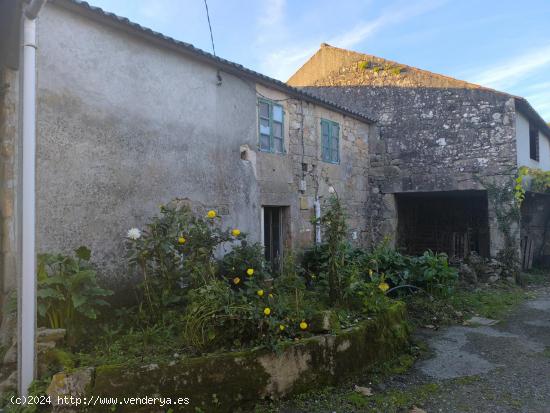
column 535, row 230
column 454, row 222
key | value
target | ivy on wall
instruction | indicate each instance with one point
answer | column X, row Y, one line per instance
column 505, row 199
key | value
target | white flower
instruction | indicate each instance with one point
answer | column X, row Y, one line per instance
column 331, row 190
column 134, row 233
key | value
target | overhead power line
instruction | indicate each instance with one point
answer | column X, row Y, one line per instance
column 210, row 28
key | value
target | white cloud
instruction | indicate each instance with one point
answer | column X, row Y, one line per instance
column 541, row 100
column 270, row 24
column 282, row 62
column 274, row 11
column 508, row 73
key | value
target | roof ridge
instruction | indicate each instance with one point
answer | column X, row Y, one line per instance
column 231, row 67
column 522, row 103
column 414, row 68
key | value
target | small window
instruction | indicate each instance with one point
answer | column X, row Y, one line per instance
column 533, row 142
column 271, row 126
column 330, row 140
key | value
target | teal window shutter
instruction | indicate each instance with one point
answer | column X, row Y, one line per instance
column 330, row 141
column 335, row 143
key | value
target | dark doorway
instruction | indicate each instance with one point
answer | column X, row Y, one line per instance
column 274, row 219
column 454, row 222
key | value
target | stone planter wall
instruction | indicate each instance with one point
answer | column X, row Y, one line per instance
column 225, row 382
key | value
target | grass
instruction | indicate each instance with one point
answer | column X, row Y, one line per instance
column 535, row 277
column 346, row 400
column 494, row 301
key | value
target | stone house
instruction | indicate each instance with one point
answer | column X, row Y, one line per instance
column 445, row 148
column 127, row 119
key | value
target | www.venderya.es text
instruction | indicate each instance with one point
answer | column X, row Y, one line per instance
column 72, row 401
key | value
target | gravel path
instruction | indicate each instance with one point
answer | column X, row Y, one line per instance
column 500, row 368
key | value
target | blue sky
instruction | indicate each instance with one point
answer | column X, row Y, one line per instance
column 502, row 44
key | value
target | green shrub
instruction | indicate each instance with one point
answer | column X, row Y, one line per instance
column 366, row 296
column 432, row 272
column 68, row 292
column 334, row 226
column 387, row 262
column 215, row 318
column 245, row 309
column 175, row 253
column 240, row 259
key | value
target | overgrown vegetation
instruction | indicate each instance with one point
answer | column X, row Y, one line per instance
column 538, row 179
column 206, row 288
column 492, row 302
column 68, row 292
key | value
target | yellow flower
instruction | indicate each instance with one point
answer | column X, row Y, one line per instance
column 250, row 272
column 267, row 311
column 270, row 295
column 303, row 325
column 181, row 240
column 370, row 272
column 384, row 287
column 211, row 214
column 282, row 327
column 236, row 280
column 236, row 232
column 260, row 293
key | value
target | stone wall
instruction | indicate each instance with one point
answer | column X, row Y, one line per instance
column 436, row 133
column 229, row 382
column 280, row 176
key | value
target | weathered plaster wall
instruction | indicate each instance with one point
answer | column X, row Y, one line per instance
column 123, row 126
column 436, row 134
column 9, row 91
column 523, row 151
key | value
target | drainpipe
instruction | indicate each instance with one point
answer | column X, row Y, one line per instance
column 317, row 205
column 27, row 286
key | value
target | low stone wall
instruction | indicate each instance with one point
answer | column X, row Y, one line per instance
column 225, row 382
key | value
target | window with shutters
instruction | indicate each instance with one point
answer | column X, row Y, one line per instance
column 271, row 126
column 330, row 140
column 533, row 142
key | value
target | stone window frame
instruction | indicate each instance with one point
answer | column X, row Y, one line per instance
column 272, row 106
column 330, row 142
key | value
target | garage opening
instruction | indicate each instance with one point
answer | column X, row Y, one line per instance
column 454, row 222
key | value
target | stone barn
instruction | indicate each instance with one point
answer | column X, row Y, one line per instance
column 447, row 156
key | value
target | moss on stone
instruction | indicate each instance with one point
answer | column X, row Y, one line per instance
column 229, row 381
